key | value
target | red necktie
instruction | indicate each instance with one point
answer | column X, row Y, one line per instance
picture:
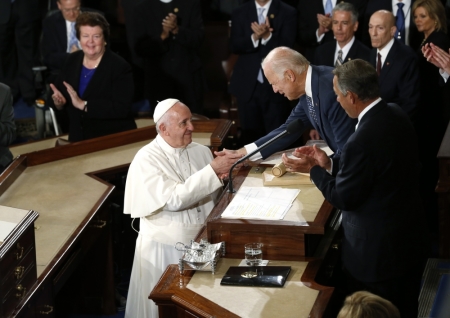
column 379, row 64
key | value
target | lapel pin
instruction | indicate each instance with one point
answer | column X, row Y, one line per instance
column 387, row 63
column 272, row 16
column 175, row 10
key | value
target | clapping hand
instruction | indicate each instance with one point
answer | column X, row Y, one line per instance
column 58, row 99
column 438, row 57
column 77, row 102
column 262, row 30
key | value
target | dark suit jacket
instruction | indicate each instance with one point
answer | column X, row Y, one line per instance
column 7, row 125
column 335, row 127
column 54, row 39
column 375, row 184
column 307, row 24
column 375, row 5
column 324, row 54
column 282, row 19
column 109, row 95
column 176, row 59
column 399, row 77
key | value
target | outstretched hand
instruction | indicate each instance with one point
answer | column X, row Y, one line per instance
column 223, row 162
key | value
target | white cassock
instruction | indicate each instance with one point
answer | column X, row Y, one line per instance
column 172, row 191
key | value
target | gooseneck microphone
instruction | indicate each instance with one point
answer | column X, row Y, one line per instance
column 293, row 127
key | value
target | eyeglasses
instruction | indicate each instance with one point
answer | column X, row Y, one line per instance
column 71, row 10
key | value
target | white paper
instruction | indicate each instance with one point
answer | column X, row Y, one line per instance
column 261, row 203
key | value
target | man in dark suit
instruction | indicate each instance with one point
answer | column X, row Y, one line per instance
column 291, row 75
column 7, row 126
column 57, row 39
column 406, row 25
column 395, row 62
column 375, row 184
column 314, row 23
column 19, row 26
column 345, row 47
column 168, row 35
column 253, row 35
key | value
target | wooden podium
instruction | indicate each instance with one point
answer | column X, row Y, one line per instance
column 289, row 240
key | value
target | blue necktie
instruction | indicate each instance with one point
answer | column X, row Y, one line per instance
column 328, row 7
column 73, row 37
column 312, row 112
column 261, row 20
column 400, row 22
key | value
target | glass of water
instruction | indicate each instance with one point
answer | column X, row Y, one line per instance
column 253, row 254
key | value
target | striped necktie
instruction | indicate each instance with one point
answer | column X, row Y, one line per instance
column 339, row 60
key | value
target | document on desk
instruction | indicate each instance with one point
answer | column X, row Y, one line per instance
column 261, row 203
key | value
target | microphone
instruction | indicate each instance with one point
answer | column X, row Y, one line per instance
column 293, row 127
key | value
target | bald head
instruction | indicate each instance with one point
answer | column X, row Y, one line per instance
column 381, row 28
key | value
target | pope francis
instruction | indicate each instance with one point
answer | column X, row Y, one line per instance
column 171, row 187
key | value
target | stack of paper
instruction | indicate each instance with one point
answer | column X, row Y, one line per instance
column 261, row 203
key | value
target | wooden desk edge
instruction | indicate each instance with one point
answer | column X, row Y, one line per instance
column 171, row 290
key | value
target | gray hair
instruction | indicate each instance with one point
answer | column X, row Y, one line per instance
column 347, row 7
column 165, row 119
column 283, row 58
column 359, row 77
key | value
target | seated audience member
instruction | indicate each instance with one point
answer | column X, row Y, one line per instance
column 172, row 185
column 363, row 304
column 291, row 75
column 7, row 126
column 374, row 183
column 396, row 64
column 429, row 17
column 345, row 47
column 95, row 85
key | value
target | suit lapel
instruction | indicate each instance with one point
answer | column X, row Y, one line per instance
column 62, row 30
column 389, row 62
column 274, row 10
column 352, row 52
column 315, row 95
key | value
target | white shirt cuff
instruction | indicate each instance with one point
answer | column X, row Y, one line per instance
column 444, row 74
column 319, row 38
column 263, row 42
column 250, row 148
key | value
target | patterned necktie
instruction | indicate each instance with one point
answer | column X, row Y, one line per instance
column 328, row 7
column 72, row 38
column 339, row 60
column 379, row 64
column 400, row 23
column 261, row 20
column 312, row 112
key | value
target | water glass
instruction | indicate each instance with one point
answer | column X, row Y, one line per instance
column 253, row 254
